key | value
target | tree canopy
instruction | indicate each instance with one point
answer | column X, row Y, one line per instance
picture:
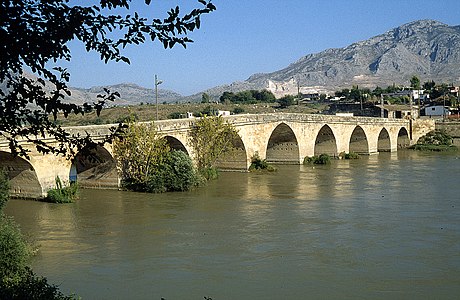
column 35, row 34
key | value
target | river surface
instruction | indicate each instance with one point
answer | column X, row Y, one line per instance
column 385, row 226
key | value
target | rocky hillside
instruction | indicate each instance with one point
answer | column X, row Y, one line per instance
column 426, row 48
column 131, row 94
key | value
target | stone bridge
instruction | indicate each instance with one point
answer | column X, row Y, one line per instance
column 279, row 138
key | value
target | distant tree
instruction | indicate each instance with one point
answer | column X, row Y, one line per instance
column 378, row 91
column 205, row 98
column 343, row 93
column 227, row 97
column 286, row 101
column 175, row 115
column 238, row 110
column 264, row 96
column 355, row 93
column 429, row 85
column 415, row 83
column 36, row 35
column 439, row 90
column 248, row 97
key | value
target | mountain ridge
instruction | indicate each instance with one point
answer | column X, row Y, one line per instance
column 426, row 48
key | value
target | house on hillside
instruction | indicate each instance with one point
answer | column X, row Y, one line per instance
column 392, row 111
column 415, row 95
column 437, row 111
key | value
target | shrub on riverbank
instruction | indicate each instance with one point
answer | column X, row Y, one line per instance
column 435, row 148
column 258, row 164
column 322, row 159
column 4, row 188
column 62, row 194
column 175, row 173
column 17, row 280
column 148, row 164
column 437, row 140
column 351, row 155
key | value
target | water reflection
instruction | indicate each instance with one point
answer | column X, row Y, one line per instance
column 390, row 222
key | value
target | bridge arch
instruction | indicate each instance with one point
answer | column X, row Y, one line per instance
column 94, row 168
column 358, row 141
column 325, row 142
column 403, row 138
column 282, row 145
column 384, row 141
column 236, row 158
column 23, row 178
column 176, row 144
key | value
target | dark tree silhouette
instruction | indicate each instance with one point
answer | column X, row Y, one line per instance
column 36, row 33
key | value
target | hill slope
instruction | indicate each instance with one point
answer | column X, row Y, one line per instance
column 426, row 48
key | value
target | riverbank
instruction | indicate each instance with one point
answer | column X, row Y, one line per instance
column 452, row 128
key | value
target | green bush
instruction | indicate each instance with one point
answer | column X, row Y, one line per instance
column 4, row 188
column 31, row 287
column 258, row 164
column 14, row 251
column 436, row 137
column 17, row 281
column 210, row 173
column 238, row 110
column 351, row 155
column 180, row 174
column 322, row 159
column 62, row 194
column 436, row 140
column 434, row 148
column 175, row 115
column 175, row 173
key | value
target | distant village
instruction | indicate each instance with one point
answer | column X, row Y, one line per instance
column 404, row 102
column 430, row 100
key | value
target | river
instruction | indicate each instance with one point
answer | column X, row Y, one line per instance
column 385, row 226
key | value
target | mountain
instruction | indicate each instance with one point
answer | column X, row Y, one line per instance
column 426, row 48
column 131, row 94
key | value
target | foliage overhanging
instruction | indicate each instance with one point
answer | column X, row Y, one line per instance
column 36, row 34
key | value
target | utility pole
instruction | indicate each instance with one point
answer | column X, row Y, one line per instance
column 382, row 110
column 157, row 82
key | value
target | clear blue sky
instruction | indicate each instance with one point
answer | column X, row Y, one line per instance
column 243, row 37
